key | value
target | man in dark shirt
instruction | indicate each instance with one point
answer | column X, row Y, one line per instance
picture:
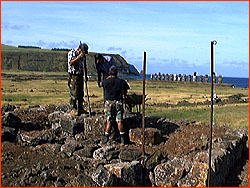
column 114, row 91
column 103, row 64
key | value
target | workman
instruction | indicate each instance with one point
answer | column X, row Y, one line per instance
column 103, row 63
column 115, row 89
column 77, row 68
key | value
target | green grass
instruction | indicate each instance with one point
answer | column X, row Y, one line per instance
column 9, row 48
column 47, row 88
column 233, row 115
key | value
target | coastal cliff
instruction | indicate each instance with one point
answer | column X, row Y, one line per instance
column 35, row 59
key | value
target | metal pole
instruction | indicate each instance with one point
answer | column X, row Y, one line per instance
column 212, row 113
column 87, row 90
column 143, row 108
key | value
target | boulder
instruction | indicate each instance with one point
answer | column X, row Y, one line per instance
column 7, row 108
column 107, row 152
column 48, row 148
column 34, row 138
column 168, row 174
column 66, row 122
column 152, row 136
column 104, row 178
column 87, row 151
column 197, row 176
column 10, row 119
column 29, row 126
column 70, row 146
column 94, row 126
column 153, row 160
column 129, row 174
column 82, row 181
column 130, row 155
column 8, row 134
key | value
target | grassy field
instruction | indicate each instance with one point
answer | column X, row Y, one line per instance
column 165, row 99
column 9, row 48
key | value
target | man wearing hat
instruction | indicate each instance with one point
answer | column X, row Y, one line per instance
column 77, row 68
column 114, row 91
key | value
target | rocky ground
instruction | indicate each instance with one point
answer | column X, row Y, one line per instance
column 47, row 147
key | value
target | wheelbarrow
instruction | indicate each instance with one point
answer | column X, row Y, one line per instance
column 133, row 99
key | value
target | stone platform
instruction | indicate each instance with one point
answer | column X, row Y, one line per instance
column 58, row 149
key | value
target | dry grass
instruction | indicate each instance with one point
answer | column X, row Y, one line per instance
column 48, row 89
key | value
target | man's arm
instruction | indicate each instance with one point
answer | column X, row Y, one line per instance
column 125, row 87
column 75, row 60
column 99, row 77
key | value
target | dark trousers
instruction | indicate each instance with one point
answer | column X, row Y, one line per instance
column 75, row 84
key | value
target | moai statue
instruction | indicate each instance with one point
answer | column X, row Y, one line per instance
column 175, row 77
column 195, row 77
column 220, row 79
column 171, row 77
column 189, row 78
column 214, row 77
column 159, row 76
column 156, row 76
column 167, row 77
column 201, row 78
column 163, row 77
column 184, row 77
column 206, row 78
column 151, row 77
column 179, row 77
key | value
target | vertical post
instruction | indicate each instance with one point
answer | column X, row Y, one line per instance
column 143, row 108
column 212, row 113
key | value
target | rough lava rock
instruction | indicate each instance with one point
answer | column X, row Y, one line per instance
column 48, row 147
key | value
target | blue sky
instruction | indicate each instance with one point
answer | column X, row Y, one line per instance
column 175, row 34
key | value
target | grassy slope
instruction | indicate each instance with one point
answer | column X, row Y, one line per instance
column 9, row 48
column 48, row 89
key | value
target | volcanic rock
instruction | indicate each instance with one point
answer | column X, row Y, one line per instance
column 152, row 136
column 104, row 178
column 153, row 160
column 107, row 152
column 70, row 146
column 34, row 138
column 66, row 122
column 47, row 147
column 94, row 126
column 87, row 151
column 168, row 174
column 129, row 174
column 197, row 176
column 10, row 119
column 7, row 108
column 130, row 155
column 8, row 134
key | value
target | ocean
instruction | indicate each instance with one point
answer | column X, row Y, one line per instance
column 237, row 82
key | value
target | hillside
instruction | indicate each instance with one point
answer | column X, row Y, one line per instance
column 32, row 59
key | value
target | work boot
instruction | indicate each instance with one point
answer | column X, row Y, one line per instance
column 122, row 139
column 105, row 139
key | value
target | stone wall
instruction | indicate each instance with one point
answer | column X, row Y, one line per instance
column 46, row 146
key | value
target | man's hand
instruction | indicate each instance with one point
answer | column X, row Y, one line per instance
column 99, row 84
column 86, row 78
column 77, row 59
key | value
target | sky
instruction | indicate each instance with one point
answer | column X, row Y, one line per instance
column 175, row 34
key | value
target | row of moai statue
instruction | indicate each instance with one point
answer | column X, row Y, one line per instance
column 184, row 77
